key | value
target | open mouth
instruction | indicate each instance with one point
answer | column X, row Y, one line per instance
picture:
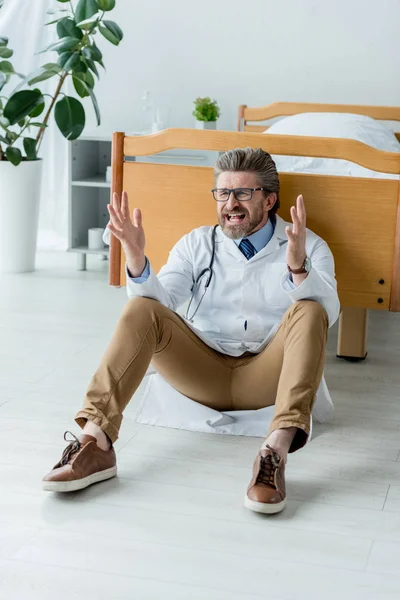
column 235, row 217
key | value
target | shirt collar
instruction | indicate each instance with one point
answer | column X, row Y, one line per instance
column 260, row 238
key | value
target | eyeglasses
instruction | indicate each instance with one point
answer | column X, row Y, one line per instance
column 241, row 194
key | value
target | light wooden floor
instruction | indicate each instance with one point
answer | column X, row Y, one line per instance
column 172, row 525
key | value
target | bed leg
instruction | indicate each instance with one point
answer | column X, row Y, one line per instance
column 352, row 338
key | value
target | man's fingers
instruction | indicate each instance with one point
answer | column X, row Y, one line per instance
column 116, row 204
column 125, row 205
column 115, row 201
column 290, row 234
column 137, row 217
column 115, row 219
column 301, row 209
column 115, row 231
column 295, row 219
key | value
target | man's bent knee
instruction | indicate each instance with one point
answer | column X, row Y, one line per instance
column 314, row 309
column 140, row 306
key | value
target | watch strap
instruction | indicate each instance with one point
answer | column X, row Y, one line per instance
column 299, row 271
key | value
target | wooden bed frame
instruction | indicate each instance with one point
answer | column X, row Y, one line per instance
column 363, row 237
column 353, row 322
column 247, row 116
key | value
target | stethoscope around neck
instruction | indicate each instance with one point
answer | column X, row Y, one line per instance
column 207, row 282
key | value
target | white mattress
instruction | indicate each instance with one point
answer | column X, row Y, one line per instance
column 337, row 125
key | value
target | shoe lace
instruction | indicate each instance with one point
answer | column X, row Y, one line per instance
column 268, row 466
column 73, row 447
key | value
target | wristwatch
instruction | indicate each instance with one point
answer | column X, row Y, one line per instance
column 305, row 267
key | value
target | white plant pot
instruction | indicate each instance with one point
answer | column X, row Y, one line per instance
column 206, row 124
column 19, row 215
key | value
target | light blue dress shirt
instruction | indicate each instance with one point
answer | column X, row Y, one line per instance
column 259, row 239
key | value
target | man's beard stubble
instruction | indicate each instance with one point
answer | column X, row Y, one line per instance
column 238, row 231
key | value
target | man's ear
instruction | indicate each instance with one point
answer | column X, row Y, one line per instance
column 271, row 200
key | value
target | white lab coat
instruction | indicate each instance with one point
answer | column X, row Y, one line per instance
column 257, row 291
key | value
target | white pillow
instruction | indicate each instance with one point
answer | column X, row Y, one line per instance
column 338, row 125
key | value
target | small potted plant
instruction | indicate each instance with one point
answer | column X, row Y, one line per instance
column 206, row 112
column 25, row 114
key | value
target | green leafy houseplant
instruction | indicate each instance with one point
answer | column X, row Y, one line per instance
column 78, row 58
column 206, row 109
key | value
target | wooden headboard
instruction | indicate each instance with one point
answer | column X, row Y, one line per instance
column 247, row 115
column 363, row 234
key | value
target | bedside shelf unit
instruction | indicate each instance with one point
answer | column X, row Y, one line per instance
column 89, row 194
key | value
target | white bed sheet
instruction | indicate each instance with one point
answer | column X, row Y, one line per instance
column 337, row 125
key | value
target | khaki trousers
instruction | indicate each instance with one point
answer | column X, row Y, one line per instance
column 286, row 373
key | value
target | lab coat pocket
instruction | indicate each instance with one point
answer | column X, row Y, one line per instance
column 274, row 295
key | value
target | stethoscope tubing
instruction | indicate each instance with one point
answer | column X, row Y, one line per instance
column 210, row 274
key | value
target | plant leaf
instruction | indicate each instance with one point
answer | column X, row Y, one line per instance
column 37, row 124
column 63, row 58
column 52, row 22
column 87, row 78
column 66, row 43
column 37, row 111
column 6, row 67
column 22, row 104
column 13, row 155
column 63, row 1
column 80, row 87
column 3, row 41
column 106, row 4
column 30, row 148
column 41, row 77
column 11, row 136
column 93, row 53
column 70, row 117
column 111, row 31
column 3, row 80
column 95, row 106
column 85, row 9
column 72, row 61
column 66, row 27
column 52, row 66
column 5, row 52
column 92, row 67
column 80, row 68
column 89, row 24
column 31, row 78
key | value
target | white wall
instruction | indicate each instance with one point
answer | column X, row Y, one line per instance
column 253, row 52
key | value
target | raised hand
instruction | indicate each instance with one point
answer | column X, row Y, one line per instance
column 130, row 233
column 296, row 248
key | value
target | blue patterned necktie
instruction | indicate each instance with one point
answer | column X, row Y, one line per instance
column 247, row 248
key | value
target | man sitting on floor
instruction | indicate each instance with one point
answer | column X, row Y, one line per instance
column 254, row 337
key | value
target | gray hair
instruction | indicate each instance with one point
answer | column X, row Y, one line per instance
column 254, row 160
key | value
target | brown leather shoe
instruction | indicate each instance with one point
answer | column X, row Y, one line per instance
column 81, row 464
column 266, row 492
